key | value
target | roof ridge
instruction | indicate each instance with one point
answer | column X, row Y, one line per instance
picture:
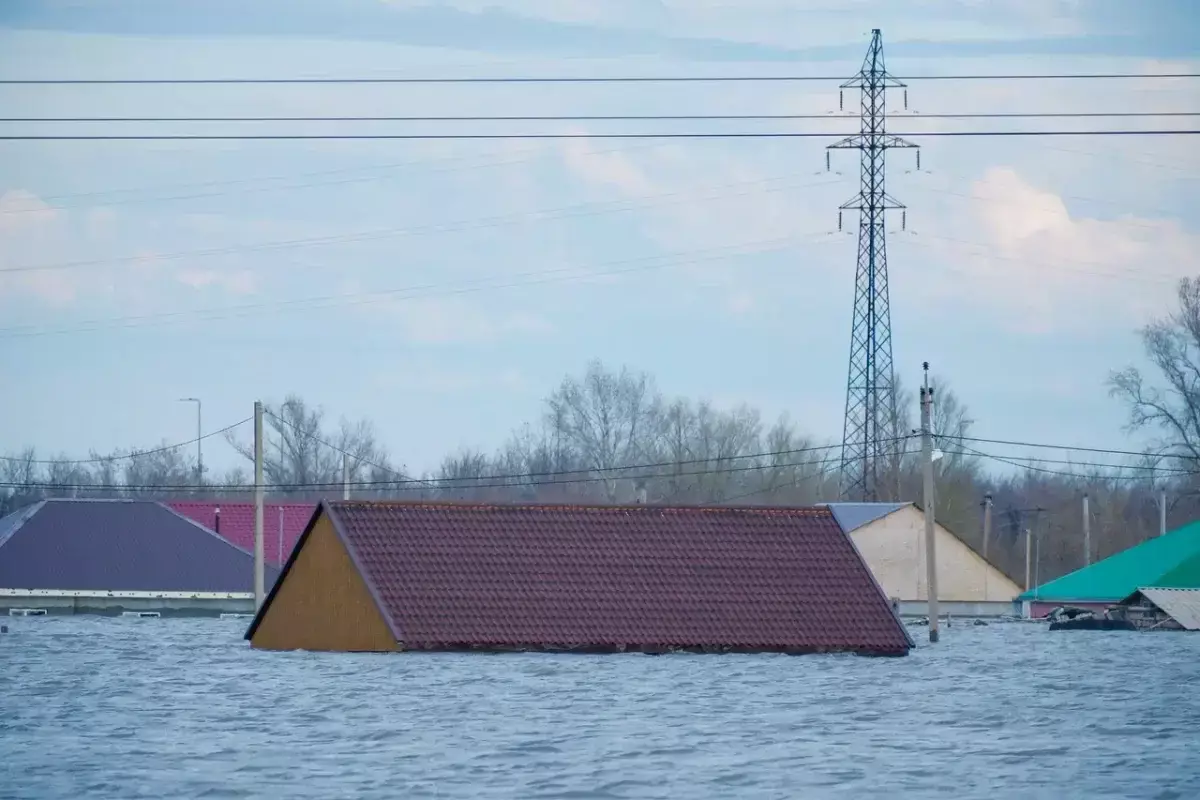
column 820, row 509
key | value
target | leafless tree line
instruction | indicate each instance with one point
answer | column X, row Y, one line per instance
column 610, row 436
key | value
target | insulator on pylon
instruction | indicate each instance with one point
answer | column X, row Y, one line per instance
column 903, row 220
column 839, row 220
column 906, row 99
column 918, row 161
column 841, row 100
column 827, row 161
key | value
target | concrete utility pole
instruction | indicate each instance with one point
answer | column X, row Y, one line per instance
column 927, row 462
column 1087, row 532
column 1028, row 564
column 259, row 555
column 1162, row 512
column 199, row 439
column 345, row 476
column 281, row 537
column 987, row 534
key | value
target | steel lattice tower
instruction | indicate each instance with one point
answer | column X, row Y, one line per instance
column 870, row 440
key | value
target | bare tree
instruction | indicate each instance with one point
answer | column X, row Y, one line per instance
column 1173, row 345
column 607, row 418
column 302, row 455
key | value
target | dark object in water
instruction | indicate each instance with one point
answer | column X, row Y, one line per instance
column 1082, row 623
column 979, row 623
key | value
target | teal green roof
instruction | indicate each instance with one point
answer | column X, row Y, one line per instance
column 1120, row 575
column 1185, row 575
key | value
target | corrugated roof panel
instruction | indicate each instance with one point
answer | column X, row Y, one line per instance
column 852, row 516
column 121, row 545
column 1182, row 604
column 1120, row 575
column 453, row 575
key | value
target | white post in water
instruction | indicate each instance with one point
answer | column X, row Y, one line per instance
column 259, row 555
column 931, row 589
column 1087, row 532
column 1028, row 562
column 280, row 562
column 987, row 534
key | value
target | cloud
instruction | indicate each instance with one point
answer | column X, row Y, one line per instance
column 451, row 321
column 1021, row 254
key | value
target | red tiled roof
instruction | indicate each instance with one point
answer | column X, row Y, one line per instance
column 237, row 523
column 449, row 576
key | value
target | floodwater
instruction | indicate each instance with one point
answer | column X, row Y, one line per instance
column 161, row 708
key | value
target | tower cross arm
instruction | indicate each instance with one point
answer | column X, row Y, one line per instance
column 866, row 141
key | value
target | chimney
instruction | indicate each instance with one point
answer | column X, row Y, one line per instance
column 217, row 524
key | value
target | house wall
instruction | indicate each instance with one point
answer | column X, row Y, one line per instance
column 323, row 603
column 894, row 548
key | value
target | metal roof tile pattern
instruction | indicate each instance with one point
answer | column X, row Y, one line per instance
column 1183, row 605
column 455, row 575
column 237, row 523
column 120, row 545
column 1120, row 575
column 852, row 516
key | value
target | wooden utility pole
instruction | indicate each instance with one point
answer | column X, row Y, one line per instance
column 259, row 555
column 987, row 534
column 931, row 588
column 1087, row 532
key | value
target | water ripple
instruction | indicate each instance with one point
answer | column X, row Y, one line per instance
column 116, row 708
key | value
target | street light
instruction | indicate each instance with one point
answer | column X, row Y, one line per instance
column 199, row 436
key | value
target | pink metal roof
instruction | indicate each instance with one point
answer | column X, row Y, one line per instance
column 237, row 523
column 450, row 576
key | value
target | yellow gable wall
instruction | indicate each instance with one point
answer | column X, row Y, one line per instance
column 323, row 603
column 894, row 548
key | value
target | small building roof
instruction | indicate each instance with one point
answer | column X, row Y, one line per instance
column 1182, row 605
column 465, row 575
column 852, row 516
column 1121, row 574
column 117, row 545
column 237, row 523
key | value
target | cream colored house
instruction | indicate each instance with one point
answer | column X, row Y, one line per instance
column 891, row 538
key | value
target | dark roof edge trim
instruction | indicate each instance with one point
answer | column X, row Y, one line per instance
column 283, row 573
column 367, row 579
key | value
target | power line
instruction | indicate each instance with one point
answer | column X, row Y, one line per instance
column 497, row 136
column 1101, row 450
column 618, row 117
column 126, row 456
column 540, row 277
column 581, row 79
column 442, row 484
column 689, row 195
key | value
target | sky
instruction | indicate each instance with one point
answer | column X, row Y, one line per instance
column 442, row 288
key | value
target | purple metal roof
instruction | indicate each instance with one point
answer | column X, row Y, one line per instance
column 121, row 545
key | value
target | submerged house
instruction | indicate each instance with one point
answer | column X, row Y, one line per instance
column 116, row 556
column 891, row 537
column 282, row 523
column 1170, row 561
column 390, row 576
